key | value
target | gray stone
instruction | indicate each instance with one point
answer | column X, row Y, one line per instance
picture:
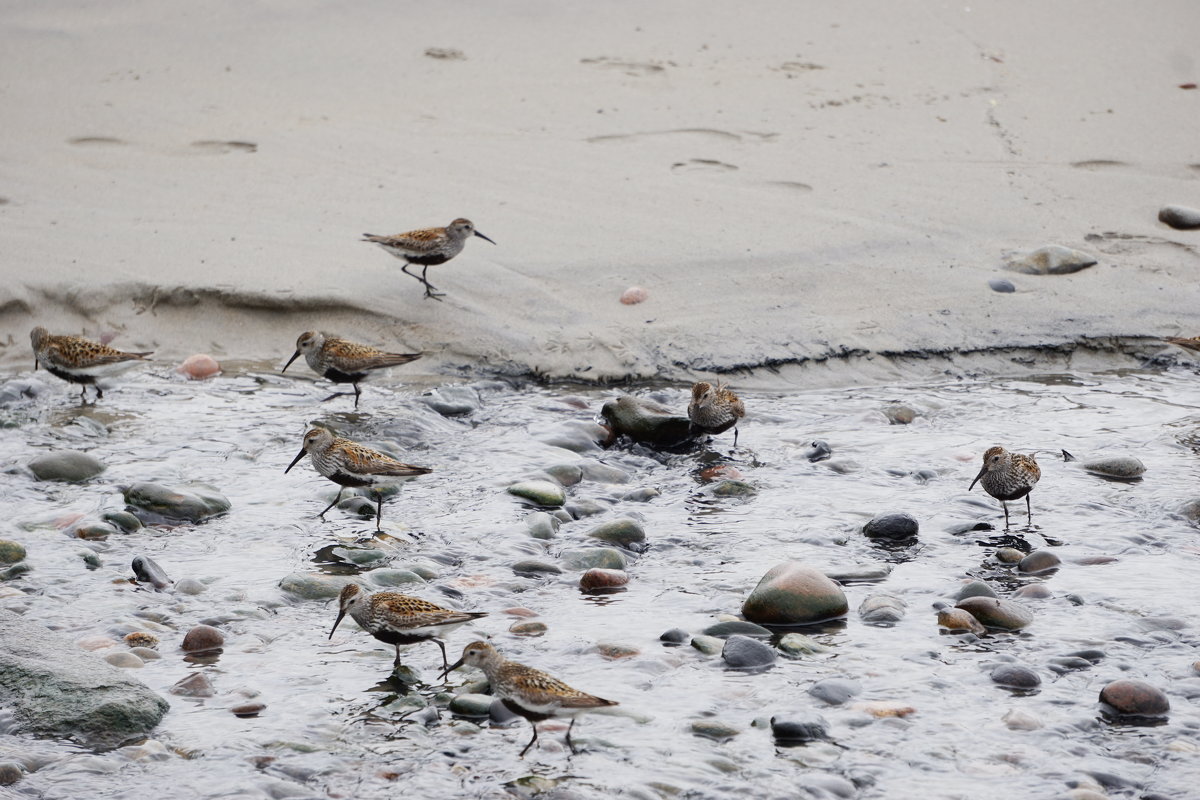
column 528, row 628
column 123, row 659
column 712, row 729
column 1179, row 217
column 642, row 495
column 860, row 573
column 975, row 589
column 675, row 636
column 1008, row 555
column 623, row 532
column 147, row 570
column 900, row 414
column 471, row 705
column 1135, row 698
column 892, row 526
column 577, row 436
column 565, row 474
column 818, row 450
column 315, row 585
column 797, row 644
column 1039, row 561
column 11, row 552
column 835, row 691
column 92, row 530
column 387, row 578
column 65, row 465
column 1125, row 468
column 541, row 525
column 594, row 558
column 994, row 613
column 723, row 630
column 799, row 727
column 793, row 593
column 646, row 421
column 533, row 567
column 154, row 503
column 452, row 401
column 189, row 586
column 1052, row 259
column 15, row 571
column 1191, row 511
column 709, row 645
column 1015, row 676
column 54, row 689
column 542, row 493
column 731, row 488
column 127, row 522
column 602, row 473
column 1002, row 285
column 882, row 609
column 744, row 652
column 585, row 508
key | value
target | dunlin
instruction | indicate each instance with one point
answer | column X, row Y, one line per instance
column 398, row 619
column 79, row 360
column 350, row 464
column 528, row 692
column 428, row 247
column 1190, row 344
column 1008, row 476
column 342, row 361
column 715, row 409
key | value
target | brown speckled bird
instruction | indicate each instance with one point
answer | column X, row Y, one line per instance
column 715, row 409
column 343, row 361
column 428, row 247
column 1008, row 476
column 398, row 619
column 350, row 464
column 1189, row 344
column 531, row 693
column 79, row 360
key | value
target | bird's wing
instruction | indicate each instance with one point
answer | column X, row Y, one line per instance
column 542, row 689
column 366, row 461
column 356, row 357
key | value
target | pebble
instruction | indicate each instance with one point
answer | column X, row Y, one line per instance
column 1018, row 720
column 533, row 568
column 1061, row 665
column 1125, row 468
column 797, row 644
column 646, row 421
column 612, row 651
column 1179, row 217
column 835, row 691
column 864, row 573
column 585, row 508
column 541, row 525
column 195, row 685
column 528, row 628
column 93, row 531
column 1052, row 259
column 599, row 579
column 623, row 532
column 712, row 729
column 452, row 401
column 1015, row 676
column 745, row 652
column 543, row 493
column 127, row 522
column 189, row 586
column 11, row 552
column 642, row 495
column 892, row 526
column 818, row 450
column 565, row 474
column 198, row 367
column 203, row 638
column 882, row 609
column 147, row 570
column 1039, row 561
column 93, row 643
column 145, row 653
column 957, row 620
column 709, row 645
column 315, row 585
column 154, row 503
column 677, row 636
column 732, row 488
column 1033, row 591
column 598, row 472
column 793, row 593
column 471, row 705
column 249, row 709
column 882, row 709
column 1135, row 698
column 141, row 639
column 1008, row 555
column 594, row 558
column 723, row 630
column 994, row 613
column 634, row 295
column 125, row 660
column 1002, row 285
column 577, row 436
column 975, row 589
column 799, row 727
column 899, row 414
column 65, row 465
column 10, row 772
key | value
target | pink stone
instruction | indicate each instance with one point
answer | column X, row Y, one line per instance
column 598, row 578
column 199, row 367
column 634, row 295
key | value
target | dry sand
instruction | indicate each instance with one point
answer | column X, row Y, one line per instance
column 824, row 185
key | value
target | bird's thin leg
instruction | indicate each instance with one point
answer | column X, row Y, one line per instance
column 99, row 391
column 404, row 269
column 735, row 434
column 429, row 287
column 334, row 503
column 357, row 394
column 378, row 509
column 339, row 394
column 1029, row 509
column 83, row 394
column 571, row 744
column 531, row 741
column 1005, row 505
column 396, row 663
column 445, row 663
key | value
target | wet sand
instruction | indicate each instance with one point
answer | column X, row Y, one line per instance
column 813, row 185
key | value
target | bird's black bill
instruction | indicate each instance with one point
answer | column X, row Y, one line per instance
column 336, row 622
column 982, row 472
column 296, row 461
column 295, row 355
column 450, row 669
column 481, row 236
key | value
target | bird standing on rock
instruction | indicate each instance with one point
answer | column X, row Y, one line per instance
column 715, row 409
column 428, row 247
column 1008, row 476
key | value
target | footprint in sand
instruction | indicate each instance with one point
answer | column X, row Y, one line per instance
column 97, row 141
column 635, row 68
column 702, row 165
column 214, row 147
column 1098, row 163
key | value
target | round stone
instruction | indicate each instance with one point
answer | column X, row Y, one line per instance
column 732, row 488
column 1008, row 555
column 10, row 772
column 957, row 619
column 248, row 709
column 723, row 630
column 528, row 628
column 882, row 609
column 203, row 638
column 623, row 532
column 793, row 593
column 835, row 691
column 1179, row 217
column 799, row 727
column 501, row 714
column 1125, row 468
column 1015, row 676
column 712, row 729
column 11, row 552
column 600, row 579
column 195, row 685
column 744, row 652
column 198, row 367
column 565, row 474
column 154, row 503
column 1017, row 720
column 125, row 660
column 542, row 493
column 471, row 705
column 818, row 450
column 614, row 651
column 1002, row 285
column 634, row 295
column 1052, row 259
column 1033, row 591
column 65, row 465
column 975, row 589
column 797, row 644
column 594, row 558
column 127, row 522
column 709, row 645
column 534, row 568
column 602, row 473
column 315, row 585
column 541, row 525
column 189, row 586
column 994, row 613
column 892, row 526
column 1039, row 561
column 1135, row 698
column 675, row 636
column 646, row 421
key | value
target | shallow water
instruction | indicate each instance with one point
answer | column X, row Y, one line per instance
column 335, row 727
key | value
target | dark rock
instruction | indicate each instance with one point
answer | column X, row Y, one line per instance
column 892, row 526
column 799, row 727
column 601, row 579
column 1064, row 664
column 65, row 465
column 1002, row 285
column 646, row 421
column 1094, row 656
column 723, row 630
column 1179, row 217
column 1015, row 676
column 147, row 571
column 1052, row 259
column 54, row 689
column 248, row 709
column 203, row 639
column 153, row 503
column 744, row 652
column 1135, row 698
column 994, row 613
column 793, row 593
column 534, row 568
column 675, row 636
column 975, row 589
column 819, row 450
column 127, row 522
column 195, row 685
column 623, row 532
column 835, row 691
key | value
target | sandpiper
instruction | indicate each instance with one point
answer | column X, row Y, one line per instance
column 528, row 692
column 428, row 247
column 1189, row 344
column 1008, row 476
column 79, row 360
column 715, row 409
column 350, row 464
column 343, row 361
column 398, row 619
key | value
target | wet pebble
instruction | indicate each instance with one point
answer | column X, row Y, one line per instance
column 595, row 579
column 718, row 471
column 1015, row 676
column 899, row 414
column 1061, row 665
column 542, row 493
column 634, row 295
column 453, row 401
column 1119, row 467
column 195, row 685
column 623, row 532
column 1179, row 217
column 882, row 609
column 315, row 585
column 93, row 531
column 359, row 506
column 534, row 568
column 198, row 367
column 248, row 709
column 10, row 772
column 975, row 589
column 732, row 488
column 594, row 558
column 994, row 613
column 189, row 586
column 1008, row 555
column 679, row 636
column 141, row 639
column 957, row 620
column 1039, row 561
column 471, row 705
column 147, row 570
column 864, row 573
column 603, row 473
column 1033, row 591
column 642, row 495
column 835, row 691
column 793, row 593
column 203, row 638
column 576, row 436
column 612, row 651
column 745, row 652
column 1018, row 720
column 818, row 450
column 709, row 645
column 528, row 629
column 646, row 421
column 154, row 503
column 565, row 474
column 541, row 525
column 712, row 729
column 1052, row 259
column 1002, row 285
column 125, row 660
column 585, row 508
column 127, row 522
column 11, row 552
column 145, row 653
column 797, row 644
column 65, row 465
column 723, row 630
column 1135, row 698
column 799, row 727
column 898, row 526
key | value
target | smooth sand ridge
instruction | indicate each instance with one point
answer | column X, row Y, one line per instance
column 807, row 183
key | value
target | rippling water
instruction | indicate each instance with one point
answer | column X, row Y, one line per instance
column 335, row 727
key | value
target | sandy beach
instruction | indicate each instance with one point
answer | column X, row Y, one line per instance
column 806, row 187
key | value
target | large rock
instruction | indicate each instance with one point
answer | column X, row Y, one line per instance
column 1135, row 698
column 1053, row 259
column 646, row 421
column 892, row 526
column 151, row 502
column 794, row 594
column 55, row 689
column 65, row 465
column 994, row 613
